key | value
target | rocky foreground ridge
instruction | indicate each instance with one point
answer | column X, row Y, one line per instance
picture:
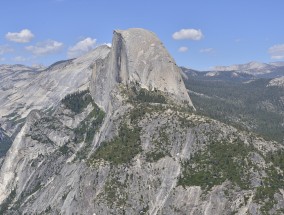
column 130, row 143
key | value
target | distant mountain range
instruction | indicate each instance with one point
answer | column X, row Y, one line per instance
column 242, row 72
column 120, row 132
column 255, row 68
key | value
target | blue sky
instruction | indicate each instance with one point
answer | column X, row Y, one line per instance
column 220, row 32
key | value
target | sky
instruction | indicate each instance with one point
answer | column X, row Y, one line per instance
column 199, row 34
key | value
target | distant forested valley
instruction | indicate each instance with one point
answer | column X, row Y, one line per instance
column 248, row 105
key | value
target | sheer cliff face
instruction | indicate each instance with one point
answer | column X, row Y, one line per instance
column 144, row 154
column 137, row 56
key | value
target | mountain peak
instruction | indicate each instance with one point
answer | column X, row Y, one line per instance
column 137, row 56
column 256, row 65
column 253, row 68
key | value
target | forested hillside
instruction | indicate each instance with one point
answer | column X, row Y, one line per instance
column 249, row 105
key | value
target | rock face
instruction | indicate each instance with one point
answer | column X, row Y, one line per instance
column 276, row 82
column 143, row 154
column 137, row 57
column 24, row 88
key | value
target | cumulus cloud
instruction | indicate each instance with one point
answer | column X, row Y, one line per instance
column 188, row 34
column 46, row 47
column 24, row 36
column 277, row 52
column 183, row 49
column 206, row 50
column 5, row 49
column 81, row 47
column 277, row 57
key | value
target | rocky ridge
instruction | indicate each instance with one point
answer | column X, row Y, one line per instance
column 255, row 69
column 277, row 82
column 25, row 88
column 124, row 147
column 250, row 68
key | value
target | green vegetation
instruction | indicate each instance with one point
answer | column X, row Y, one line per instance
column 138, row 113
column 142, row 109
column 48, row 209
column 149, row 96
column 222, row 161
column 249, row 106
column 86, row 130
column 115, row 192
column 35, row 188
column 154, row 156
column 143, row 95
column 78, row 101
column 64, row 149
column 273, row 181
column 5, row 143
column 65, row 196
column 121, row 149
column 219, row 162
column 38, row 129
column 277, row 158
column 265, row 196
column 161, row 148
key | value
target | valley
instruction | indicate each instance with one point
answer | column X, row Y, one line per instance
column 122, row 130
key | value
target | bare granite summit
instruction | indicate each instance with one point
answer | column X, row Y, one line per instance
column 136, row 156
column 137, row 56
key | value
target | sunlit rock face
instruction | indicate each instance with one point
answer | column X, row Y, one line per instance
column 137, row 56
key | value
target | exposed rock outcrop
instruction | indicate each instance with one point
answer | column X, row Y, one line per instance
column 137, row 57
column 23, row 89
column 276, row 82
column 145, row 155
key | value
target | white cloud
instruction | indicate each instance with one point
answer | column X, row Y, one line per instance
column 2, row 59
column 19, row 59
column 277, row 52
column 5, row 49
column 81, row 47
column 189, row 34
column 277, row 57
column 24, row 36
column 46, row 47
column 206, row 50
column 183, row 49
